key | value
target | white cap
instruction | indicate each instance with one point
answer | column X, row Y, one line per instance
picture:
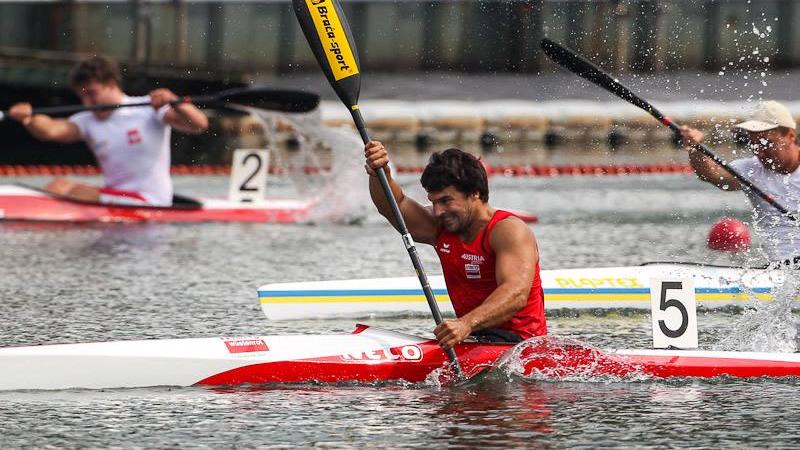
column 768, row 115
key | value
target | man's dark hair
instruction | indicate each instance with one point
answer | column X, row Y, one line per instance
column 456, row 168
column 95, row 68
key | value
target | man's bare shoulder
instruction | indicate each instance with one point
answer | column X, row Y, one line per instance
column 509, row 232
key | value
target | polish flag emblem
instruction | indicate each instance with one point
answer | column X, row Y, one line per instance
column 134, row 137
column 245, row 345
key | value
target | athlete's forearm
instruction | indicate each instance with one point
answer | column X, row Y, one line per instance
column 710, row 172
column 46, row 128
column 380, row 200
column 189, row 119
column 506, row 300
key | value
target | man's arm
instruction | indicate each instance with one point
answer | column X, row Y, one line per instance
column 44, row 127
column 419, row 220
column 705, row 168
column 184, row 117
column 516, row 254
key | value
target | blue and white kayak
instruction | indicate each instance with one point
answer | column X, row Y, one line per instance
column 587, row 288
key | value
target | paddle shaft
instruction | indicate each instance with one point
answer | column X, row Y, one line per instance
column 255, row 97
column 588, row 71
column 59, row 110
column 325, row 26
column 408, row 241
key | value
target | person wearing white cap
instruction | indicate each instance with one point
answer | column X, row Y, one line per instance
column 772, row 138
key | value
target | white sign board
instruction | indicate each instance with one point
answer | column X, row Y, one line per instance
column 249, row 175
column 674, row 313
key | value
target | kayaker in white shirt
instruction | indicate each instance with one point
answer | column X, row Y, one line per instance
column 772, row 137
column 132, row 145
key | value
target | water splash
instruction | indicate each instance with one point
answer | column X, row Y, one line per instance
column 768, row 326
column 555, row 358
column 446, row 376
column 333, row 178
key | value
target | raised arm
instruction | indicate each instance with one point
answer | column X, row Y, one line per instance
column 705, row 168
column 44, row 127
column 184, row 117
column 516, row 256
column 419, row 220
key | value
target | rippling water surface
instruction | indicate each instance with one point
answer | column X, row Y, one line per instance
column 107, row 282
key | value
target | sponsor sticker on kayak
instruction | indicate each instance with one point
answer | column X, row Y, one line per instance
column 245, row 344
column 405, row 353
column 607, row 282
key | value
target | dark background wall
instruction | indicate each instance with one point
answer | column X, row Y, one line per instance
column 196, row 47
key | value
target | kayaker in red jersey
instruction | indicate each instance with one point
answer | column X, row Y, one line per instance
column 489, row 257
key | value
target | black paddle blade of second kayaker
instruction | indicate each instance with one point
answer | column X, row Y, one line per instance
column 325, row 27
column 588, row 71
column 271, row 99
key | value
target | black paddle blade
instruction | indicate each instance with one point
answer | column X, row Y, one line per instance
column 325, row 27
column 284, row 100
column 588, row 71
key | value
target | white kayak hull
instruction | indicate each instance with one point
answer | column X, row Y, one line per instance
column 592, row 288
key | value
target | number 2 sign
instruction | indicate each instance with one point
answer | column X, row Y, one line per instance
column 674, row 313
column 248, row 183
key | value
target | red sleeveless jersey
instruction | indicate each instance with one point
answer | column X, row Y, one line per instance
column 469, row 272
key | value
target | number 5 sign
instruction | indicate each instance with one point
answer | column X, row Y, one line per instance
column 674, row 313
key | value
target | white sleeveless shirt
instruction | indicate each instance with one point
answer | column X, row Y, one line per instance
column 781, row 235
column 132, row 147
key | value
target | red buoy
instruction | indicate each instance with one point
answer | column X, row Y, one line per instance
column 729, row 235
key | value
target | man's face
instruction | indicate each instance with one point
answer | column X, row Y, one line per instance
column 453, row 209
column 774, row 149
column 97, row 93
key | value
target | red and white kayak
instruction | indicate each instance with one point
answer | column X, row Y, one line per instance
column 367, row 355
column 22, row 203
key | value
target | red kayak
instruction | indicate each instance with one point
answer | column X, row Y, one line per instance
column 22, row 203
column 367, row 355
